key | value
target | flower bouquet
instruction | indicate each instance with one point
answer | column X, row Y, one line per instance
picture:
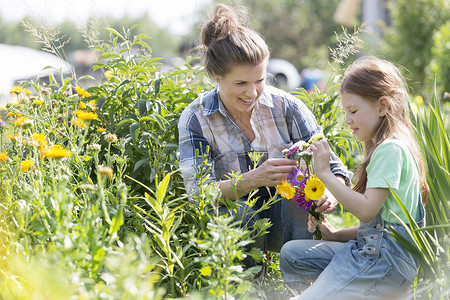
column 302, row 185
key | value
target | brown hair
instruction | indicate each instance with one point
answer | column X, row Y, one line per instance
column 372, row 78
column 227, row 40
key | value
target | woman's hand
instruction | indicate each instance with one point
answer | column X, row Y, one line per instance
column 321, row 157
column 327, row 230
column 272, row 171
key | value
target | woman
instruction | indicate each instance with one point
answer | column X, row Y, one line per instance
column 242, row 115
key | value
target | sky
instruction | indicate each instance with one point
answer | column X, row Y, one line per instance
column 174, row 15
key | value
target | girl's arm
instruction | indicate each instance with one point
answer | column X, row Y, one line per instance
column 364, row 206
column 329, row 233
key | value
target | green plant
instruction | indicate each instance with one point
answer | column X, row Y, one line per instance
column 431, row 244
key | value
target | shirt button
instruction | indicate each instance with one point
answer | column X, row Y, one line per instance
column 378, row 226
column 375, row 237
column 373, row 250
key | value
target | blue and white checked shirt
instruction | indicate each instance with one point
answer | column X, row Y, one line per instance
column 278, row 120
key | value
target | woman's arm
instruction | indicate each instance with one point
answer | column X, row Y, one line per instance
column 270, row 173
column 364, row 206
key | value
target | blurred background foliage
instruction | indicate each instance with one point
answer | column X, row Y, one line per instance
column 414, row 34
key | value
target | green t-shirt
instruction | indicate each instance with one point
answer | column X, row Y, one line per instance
column 393, row 162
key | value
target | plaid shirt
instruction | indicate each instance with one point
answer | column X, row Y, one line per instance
column 278, row 120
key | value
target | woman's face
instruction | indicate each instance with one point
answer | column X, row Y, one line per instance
column 240, row 88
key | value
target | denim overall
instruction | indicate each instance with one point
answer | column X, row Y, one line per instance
column 374, row 266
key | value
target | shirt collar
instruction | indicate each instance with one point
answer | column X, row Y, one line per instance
column 211, row 102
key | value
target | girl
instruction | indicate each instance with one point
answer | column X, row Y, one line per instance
column 365, row 262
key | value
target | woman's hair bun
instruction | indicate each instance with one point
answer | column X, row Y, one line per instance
column 224, row 22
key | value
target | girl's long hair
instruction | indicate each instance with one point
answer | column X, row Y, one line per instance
column 372, row 78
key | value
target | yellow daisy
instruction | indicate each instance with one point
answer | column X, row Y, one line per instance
column 286, row 190
column 57, row 152
column 82, row 92
column 87, row 116
column 25, row 165
column 3, row 156
column 314, row 188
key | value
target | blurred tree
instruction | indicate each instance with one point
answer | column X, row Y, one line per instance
column 409, row 40
column 439, row 68
column 299, row 31
column 164, row 44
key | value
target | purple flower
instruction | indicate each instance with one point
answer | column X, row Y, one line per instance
column 297, row 176
column 303, row 203
column 291, row 152
column 2, row 123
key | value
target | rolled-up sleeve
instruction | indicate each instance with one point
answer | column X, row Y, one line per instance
column 193, row 147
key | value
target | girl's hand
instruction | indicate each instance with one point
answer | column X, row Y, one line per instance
column 272, row 171
column 325, row 205
column 327, row 230
column 321, row 158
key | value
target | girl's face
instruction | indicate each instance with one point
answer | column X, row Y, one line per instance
column 362, row 116
column 240, row 88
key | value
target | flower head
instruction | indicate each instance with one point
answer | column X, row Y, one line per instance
column 87, row 116
column 314, row 188
column 82, row 92
column 17, row 89
column 111, row 138
column 296, row 176
column 38, row 102
column 3, row 156
column 57, row 152
column 303, row 202
column 25, row 165
column 291, row 152
column 316, row 137
column 105, row 171
column 24, row 122
column 286, row 190
column 2, row 123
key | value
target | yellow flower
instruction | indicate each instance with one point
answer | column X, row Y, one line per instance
column 316, row 137
column 2, row 107
column 23, row 122
column 17, row 89
column 25, row 165
column 109, row 74
column 79, row 123
column 314, row 188
column 205, row 271
column 77, row 112
column 57, row 152
column 82, row 105
column 82, row 92
column 87, row 116
column 38, row 102
column 92, row 104
column 286, row 190
column 3, row 156
column 101, row 129
column 40, row 138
